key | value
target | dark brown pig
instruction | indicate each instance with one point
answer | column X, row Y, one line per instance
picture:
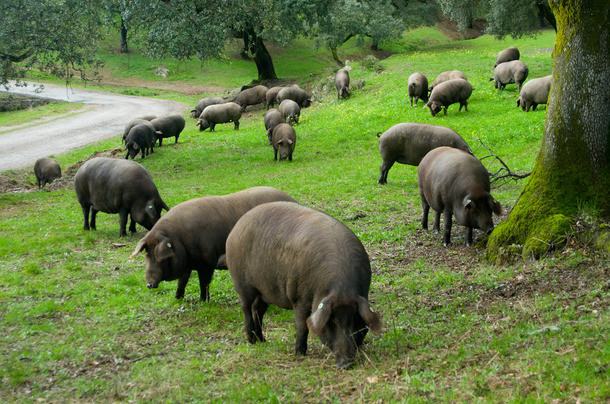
column 273, row 117
column 300, row 259
column 136, row 121
column 251, row 96
column 510, row 72
column 192, row 236
column 141, row 138
column 417, row 87
column 508, row 54
column 219, row 113
column 110, row 185
column 291, row 111
column 408, row 143
column 168, row 126
column 46, row 171
column 342, row 83
column 271, row 96
column 446, row 76
column 534, row 93
column 447, row 93
column 284, row 139
column 204, row 102
column 296, row 94
column 454, row 182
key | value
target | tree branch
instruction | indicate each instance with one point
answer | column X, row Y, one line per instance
column 504, row 172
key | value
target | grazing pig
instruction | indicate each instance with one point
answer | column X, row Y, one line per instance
column 508, row 54
column 109, row 185
column 408, row 143
column 296, row 94
column 534, row 92
column 46, row 171
column 192, row 236
column 251, row 96
column 219, row 113
column 271, row 96
column 283, row 139
column 141, row 138
column 291, row 111
column 273, row 117
column 168, row 126
column 417, row 86
column 136, row 121
column 447, row 93
column 342, row 83
column 510, row 72
column 446, row 76
column 204, row 102
column 454, row 182
column 300, row 259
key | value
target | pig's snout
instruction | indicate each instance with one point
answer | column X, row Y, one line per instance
column 151, row 285
column 344, row 363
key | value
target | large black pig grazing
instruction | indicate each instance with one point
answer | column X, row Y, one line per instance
column 168, row 126
column 342, row 83
column 534, row 93
column 205, row 102
column 296, row 94
column 300, row 259
column 507, row 55
column 46, row 171
column 454, row 182
column 111, row 185
column 136, row 121
column 273, row 117
column 446, row 76
column 271, row 96
column 283, row 139
column 505, row 73
column 141, row 138
column 192, row 236
column 251, row 96
column 447, row 93
column 408, row 143
column 417, row 87
column 219, row 113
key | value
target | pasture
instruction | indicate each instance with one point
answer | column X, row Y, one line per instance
column 77, row 323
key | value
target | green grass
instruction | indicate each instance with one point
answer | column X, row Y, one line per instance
column 25, row 116
column 78, row 324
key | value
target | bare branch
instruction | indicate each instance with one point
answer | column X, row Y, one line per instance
column 504, row 173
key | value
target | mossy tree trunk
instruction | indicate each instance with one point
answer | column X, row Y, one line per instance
column 572, row 169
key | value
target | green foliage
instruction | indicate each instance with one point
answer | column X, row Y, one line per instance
column 59, row 37
column 78, row 324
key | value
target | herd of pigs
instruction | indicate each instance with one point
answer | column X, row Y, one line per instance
column 276, row 250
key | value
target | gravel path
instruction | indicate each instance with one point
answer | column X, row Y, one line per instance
column 104, row 116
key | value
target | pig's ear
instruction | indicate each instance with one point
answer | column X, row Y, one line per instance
column 164, row 250
column 371, row 319
column 139, row 248
column 320, row 317
column 495, row 206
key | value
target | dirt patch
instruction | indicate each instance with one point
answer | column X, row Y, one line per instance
column 450, row 29
column 17, row 181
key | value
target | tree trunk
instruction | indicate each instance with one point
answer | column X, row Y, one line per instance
column 545, row 11
column 124, row 48
column 333, row 50
column 263, row 61
column 572, row 170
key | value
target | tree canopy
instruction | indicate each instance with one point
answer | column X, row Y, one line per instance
column 60, row 37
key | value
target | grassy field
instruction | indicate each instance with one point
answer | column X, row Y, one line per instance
column 78, row 324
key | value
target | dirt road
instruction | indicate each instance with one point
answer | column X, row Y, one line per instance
column 103, row 116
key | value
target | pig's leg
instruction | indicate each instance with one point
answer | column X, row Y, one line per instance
column 300, row 315
column 468, row 236
column 259, row 307
column 437, row 222
column 123, row 215
column 424, row 218
column 247, row 300
column 93, row 216
column 385, row 167
column 85, row 216
column 447, row 222
column 205, row 277
column 182, row 281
